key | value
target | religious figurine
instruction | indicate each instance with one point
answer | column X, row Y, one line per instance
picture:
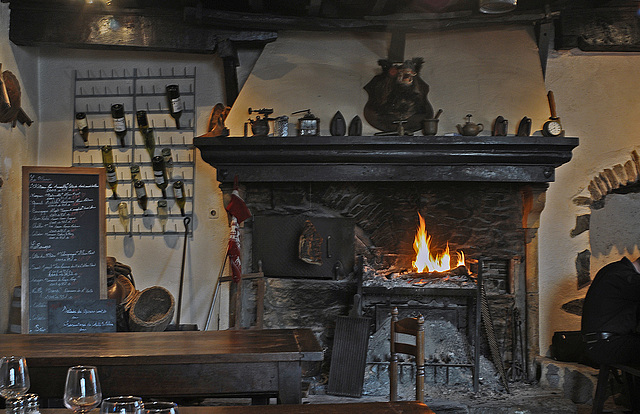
column 398, row 96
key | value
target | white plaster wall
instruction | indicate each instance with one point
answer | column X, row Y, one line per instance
column 486, row 73
column 597, row 100
column 18, row 146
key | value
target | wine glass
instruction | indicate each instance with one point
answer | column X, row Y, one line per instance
column 82, row 390
column 122, row 405
column 14, row 376
column 160, row 407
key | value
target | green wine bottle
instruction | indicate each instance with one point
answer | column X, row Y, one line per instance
column 112, row 180
column 178, row 194
column 160, row 174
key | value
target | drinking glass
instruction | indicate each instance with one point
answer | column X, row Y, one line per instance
column 160, row 407
column 82, row 390
column 14, row 376
column 122, row 405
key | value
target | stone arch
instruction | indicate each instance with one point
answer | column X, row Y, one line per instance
column 607, row 181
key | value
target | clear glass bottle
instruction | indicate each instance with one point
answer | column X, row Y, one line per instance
column 160, row 174
column 163, row 213
column 123, row 214
column 119, row 122
column 141, row 195
column 179, row 195
column 107, row 155
column 15, row 405
column 32, row 403
column 175, row 103
column 112, row 180
column 168, row 161
column 83, row 127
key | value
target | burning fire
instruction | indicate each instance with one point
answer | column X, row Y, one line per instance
column 426, row 261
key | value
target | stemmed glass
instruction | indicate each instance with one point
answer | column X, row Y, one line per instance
column 82, row 390
column 160, row 407
column 122, row 405
column 14, row 376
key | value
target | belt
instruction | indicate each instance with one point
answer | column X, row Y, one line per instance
column 593, row 337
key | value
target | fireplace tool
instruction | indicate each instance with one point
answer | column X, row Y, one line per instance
column 178, row 326
column 487, row 323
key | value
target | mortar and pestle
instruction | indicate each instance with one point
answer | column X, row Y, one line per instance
column 430, row 125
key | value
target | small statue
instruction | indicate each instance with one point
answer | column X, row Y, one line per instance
column 216, row 120
column 396, row 95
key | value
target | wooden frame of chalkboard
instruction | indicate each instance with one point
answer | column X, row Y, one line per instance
column 63, row 239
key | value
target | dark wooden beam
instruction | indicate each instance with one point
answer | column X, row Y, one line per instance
column 397, row 46
column 415, row 22
column 87, row 27
column 599, row 29
column 386, row 158
column 229, row 54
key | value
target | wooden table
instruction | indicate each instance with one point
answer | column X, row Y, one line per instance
column 400, row 407
column 257, row 363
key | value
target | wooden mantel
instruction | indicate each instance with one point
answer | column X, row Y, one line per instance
column 386, row 158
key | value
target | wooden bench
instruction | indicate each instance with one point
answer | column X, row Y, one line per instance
column 632, row 376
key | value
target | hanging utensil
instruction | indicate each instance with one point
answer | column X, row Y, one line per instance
column 187, row 220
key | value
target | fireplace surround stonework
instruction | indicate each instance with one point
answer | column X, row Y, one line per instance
column 481, row 195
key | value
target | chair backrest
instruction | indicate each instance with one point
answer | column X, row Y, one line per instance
column 413, row 327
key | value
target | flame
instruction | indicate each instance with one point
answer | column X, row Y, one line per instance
column 426, row 261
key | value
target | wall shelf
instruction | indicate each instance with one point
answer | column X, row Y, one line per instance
column 530, row 159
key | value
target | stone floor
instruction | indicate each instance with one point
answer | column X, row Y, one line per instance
column 563, row 388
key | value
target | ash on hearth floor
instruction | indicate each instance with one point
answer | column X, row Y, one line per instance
column 524, row 398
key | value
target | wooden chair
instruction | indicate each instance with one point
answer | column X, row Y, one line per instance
column 632, row 377
column 413, row 327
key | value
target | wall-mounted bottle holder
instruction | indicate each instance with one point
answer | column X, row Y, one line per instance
column 96, row 127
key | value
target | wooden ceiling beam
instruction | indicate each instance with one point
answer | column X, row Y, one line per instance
column 415, row 22
column 97, row 29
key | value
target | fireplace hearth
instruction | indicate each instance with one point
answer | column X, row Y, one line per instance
column 482, row 195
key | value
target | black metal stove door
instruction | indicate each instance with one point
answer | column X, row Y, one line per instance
column 276, row 241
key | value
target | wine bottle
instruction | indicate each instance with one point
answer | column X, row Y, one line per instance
column 175, row 103
column 123, row 214
column 83, row 127
column 119, row 122
column 163, row 213
column 141, row 195
column 178, row 194
column 168, row 161
column 160, row 174
column 143, row 121
column 112, row 180
column 150, row 142
column 107, row 155
column 135, row 173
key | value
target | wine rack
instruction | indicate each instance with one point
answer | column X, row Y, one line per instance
column 94, row 93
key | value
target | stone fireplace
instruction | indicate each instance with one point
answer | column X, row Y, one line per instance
column 480, row 195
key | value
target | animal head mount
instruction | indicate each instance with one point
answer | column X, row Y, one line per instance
column 403, row 73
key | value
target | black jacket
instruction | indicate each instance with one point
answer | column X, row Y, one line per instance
column 613, row 300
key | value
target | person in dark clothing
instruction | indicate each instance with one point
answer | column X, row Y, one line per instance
column 610, row 314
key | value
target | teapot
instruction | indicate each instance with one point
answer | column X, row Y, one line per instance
column 470, row 128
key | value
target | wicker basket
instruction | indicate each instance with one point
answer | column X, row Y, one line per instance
column 151, row 310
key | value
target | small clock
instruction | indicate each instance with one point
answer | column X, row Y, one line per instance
column 552, row 128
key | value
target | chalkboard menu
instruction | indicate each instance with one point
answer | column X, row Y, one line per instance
column 82, row 316
column 63, row 239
